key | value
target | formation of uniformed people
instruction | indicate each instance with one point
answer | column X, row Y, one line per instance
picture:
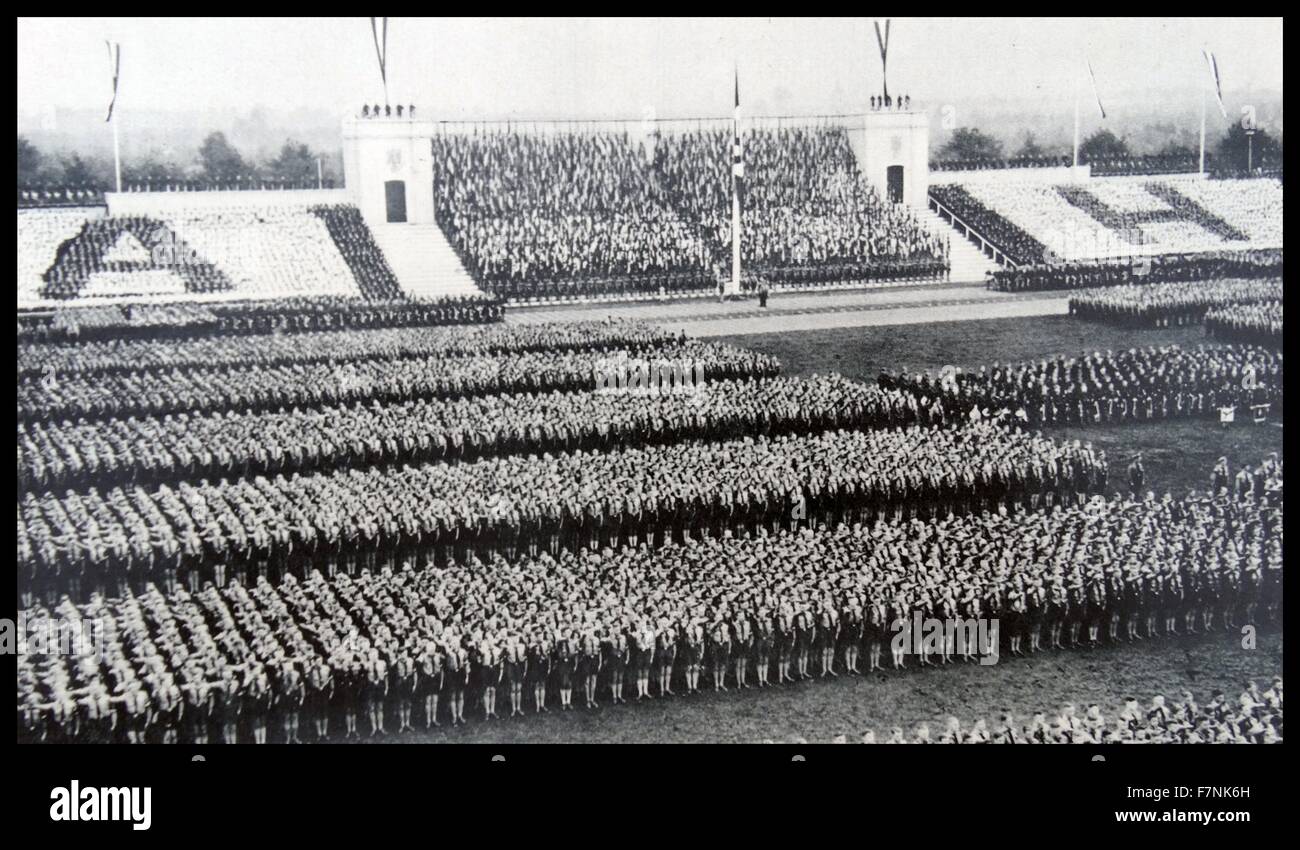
column 350, row 519
column 1253, row 324
column 1172, row 304
column 152, row 449
column 1255, row 717
column 1138, row 385
column 300, row 314
column 1034, row 274
column 414, row 647
column 257, row 387
column 125, row 355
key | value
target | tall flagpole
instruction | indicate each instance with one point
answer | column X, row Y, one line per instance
column 1076, row 122
column 117, row 156
column 737, row 171
column 1202, row 166
column 115, row 70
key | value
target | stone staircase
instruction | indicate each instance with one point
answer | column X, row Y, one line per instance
column 423, row 260
column 969, row 263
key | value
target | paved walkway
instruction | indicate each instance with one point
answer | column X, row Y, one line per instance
column 811, row 311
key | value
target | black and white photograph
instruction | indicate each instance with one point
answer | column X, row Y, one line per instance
column 675, row 381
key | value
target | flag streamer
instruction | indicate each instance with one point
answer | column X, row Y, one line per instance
column 1213, row 65
column 381, row 51
column 114, row 70
column 883, row 41
column 1095, row 93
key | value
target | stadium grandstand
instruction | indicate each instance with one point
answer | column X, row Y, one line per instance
column 507, row 415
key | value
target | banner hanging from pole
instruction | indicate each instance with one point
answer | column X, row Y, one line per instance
column 1096, row 94
column 381, row 51
column 883, row 41
column 1213, row 65
column 114, row 72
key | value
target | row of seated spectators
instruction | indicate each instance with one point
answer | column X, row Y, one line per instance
column 234, row 183
column 1165, row 305
column 1213, row 265
column 1107, row 166
column 588, row 214
column 46, row 195
column 109, row 254
column 286, row 315
column 355, row 242
column 985, row 163
column 1149, row 164
column 1105, row 218
column 251, row 251
column 534, row 215
column 1252, row 207
column 1012, row 241
column 803, row 200
column 40, row 233
column 1273, row 171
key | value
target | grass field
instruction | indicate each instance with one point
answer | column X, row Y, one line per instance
column 865, row 352
column 1178, row 455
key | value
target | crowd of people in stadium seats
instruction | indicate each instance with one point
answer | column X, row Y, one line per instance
column 57, row 456
column 1138, row 385
column 1255, row 717
column 990, row 163
column 1163, row 305
column 1150, row 164
column 1251, row 207
column 578, row 215
column 572, row 214
column 1134, row 271
column 125, row 355
column 95, row 251
column 1086, row 222
column 40, row 233
column 192, row 531
column 1258, row 323
column 379, row 647
column 267, row 250
column 1015, row 243
column 44, row 195
column 354, row 241
column 257, row 387
column 259, row 251
column 805, row 206
column 233, row 183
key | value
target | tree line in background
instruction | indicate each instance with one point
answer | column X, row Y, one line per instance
column 216, row 161
column 1231, row 152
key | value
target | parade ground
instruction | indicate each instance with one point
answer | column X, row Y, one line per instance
column 1177, row 455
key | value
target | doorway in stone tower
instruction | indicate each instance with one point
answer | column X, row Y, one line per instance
column 894, row 183
column 395, row 198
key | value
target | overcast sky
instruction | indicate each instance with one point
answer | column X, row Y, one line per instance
column 473, row 67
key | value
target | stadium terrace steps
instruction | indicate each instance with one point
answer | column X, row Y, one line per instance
column 969, row 263
column 424, row 262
